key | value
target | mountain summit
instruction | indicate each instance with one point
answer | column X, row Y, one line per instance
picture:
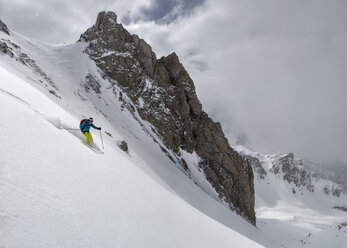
column 164, row 95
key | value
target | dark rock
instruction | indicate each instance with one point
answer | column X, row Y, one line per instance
column 336, row 192
column 53, row 92
column 342, row 225
column 123, row 145
column 4, row 48
column 184, row 164
column 109, row 134
column 105, row 18
column 92, row 83
column 326, row 190
column 4, row 28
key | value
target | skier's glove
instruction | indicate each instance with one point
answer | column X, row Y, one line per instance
column 99, row 128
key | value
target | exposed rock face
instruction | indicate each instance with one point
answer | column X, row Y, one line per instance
column 123, row 145
column 91, row 83
column 164, row 95
column 293, row 172
column 4, row 28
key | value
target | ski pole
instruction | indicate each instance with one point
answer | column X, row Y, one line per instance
column 71, row 128
column 102, row 142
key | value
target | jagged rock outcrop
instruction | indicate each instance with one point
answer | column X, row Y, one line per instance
column 4, row 28
column 164, row 95
column 297, row 173
column 293, row 171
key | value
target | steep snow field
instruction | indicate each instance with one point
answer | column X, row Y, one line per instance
column 56, row 192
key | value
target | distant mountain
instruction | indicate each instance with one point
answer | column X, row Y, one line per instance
column 294, row 201
column 293, row 172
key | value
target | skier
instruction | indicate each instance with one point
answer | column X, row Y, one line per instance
column 85, row 126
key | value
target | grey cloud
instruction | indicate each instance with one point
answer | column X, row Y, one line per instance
column 283, row 79
column 166, row 11
column 49, row 21
column 158, row 9
column 199, row 65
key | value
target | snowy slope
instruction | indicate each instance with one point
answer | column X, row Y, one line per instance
column 56, row 192
column 298, row 213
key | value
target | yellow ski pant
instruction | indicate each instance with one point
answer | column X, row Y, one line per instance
column 89, row 137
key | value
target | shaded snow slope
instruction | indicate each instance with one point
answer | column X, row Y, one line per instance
column 56, row 192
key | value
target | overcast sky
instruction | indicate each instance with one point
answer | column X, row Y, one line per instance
column 273, row 70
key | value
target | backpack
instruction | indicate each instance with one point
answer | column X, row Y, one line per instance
column 83, row 120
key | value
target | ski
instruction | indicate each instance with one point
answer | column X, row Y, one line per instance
column 95, row 149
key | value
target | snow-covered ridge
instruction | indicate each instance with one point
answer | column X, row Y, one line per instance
column 292, row 171
column 294, row 203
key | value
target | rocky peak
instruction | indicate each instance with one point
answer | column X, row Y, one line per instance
column 164, row 95
column 4, row 28
column 301, row 175
column 173, row 65
column 179, row 77
column 107, row 29
column 106, row 19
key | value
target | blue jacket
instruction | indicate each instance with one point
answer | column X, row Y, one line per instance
column 85, row 126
